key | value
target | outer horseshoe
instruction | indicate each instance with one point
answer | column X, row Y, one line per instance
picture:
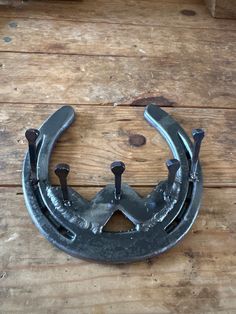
column 76, row 226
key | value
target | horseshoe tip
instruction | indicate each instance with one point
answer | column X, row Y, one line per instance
column 152, row 106
column 67, row 109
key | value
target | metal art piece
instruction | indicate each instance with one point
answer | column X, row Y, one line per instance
column 76, row 225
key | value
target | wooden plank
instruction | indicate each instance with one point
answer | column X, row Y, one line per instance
column 50, row 36
column 36, row 78
column 197, row 276
column 222, row 8
column 101, row 135
column 175, row 13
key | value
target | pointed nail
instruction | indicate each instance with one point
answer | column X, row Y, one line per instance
column 198, row 135
column 62, row 171
column 117, row 167
column 31, row 136
column 172, row 166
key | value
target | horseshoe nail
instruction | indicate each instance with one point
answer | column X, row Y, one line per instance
column 198, row 135
column 172, row 166
column 31, row 136
column 62, row 171
column 117, row 167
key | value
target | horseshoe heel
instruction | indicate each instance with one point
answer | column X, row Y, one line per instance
column 76, row 225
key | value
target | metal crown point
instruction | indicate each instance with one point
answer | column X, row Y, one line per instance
column 198, row 135
column 172, row 166
column 62, row 171
column 31, row 136
column 117, row 167
column 79, row 226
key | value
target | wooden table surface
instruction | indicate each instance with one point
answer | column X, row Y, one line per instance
column 109, row 59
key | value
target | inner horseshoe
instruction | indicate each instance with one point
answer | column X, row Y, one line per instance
column 76, row 225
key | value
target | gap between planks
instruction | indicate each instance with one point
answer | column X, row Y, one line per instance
column 206, row 186
column 108, row 105
column 220, row 29
column 89, row 55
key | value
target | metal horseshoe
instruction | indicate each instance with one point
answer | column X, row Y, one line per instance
column 76, row 225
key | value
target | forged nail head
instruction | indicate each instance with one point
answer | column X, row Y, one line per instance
column 117, row 167
column 173, row 165
column 198, row 134
column 62, row 170
column 32, row 135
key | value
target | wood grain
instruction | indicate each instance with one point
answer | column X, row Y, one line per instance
column 50, row 36
column 175, row 13
column 37, row 78
column 107, row 55
column 101, row 135
column 197, row 276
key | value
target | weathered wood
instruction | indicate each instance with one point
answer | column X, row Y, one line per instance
column 198, row 276
column 50, row 36
column 183, row 58
column 103, row 134
column 222, row 8
column 36, row 78
column 175, row 13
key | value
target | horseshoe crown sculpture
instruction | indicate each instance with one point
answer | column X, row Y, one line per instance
column 75, row 225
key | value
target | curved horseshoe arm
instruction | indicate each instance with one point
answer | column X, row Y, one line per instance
column 50, row 131
column 36, row 195
column 170, row 130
